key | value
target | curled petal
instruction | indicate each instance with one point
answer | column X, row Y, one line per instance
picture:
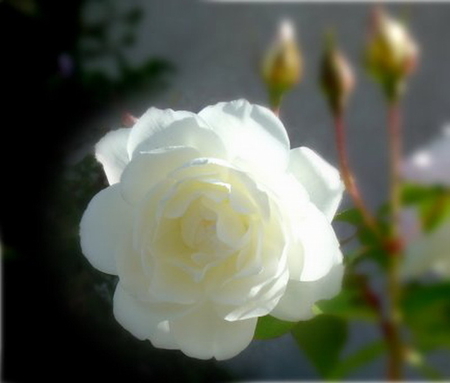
column 151, row 122
column 319, row 178
column 105, row 222
column 320, row 245
column 111, row 152
column 158, row 129
column 268, row 297
column 296, row 303
column 250, row 133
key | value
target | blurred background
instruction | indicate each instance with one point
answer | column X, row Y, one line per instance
column 70, row 70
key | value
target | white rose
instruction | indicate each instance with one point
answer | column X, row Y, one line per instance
column 210, row 222
column 427, row 251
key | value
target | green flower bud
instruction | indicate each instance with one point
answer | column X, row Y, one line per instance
column 336, row 76
column 282, row 65
column 391, row 53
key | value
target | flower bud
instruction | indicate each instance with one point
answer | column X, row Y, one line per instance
column 282, row 65
column 391, row 53
column 336, row 76
column 128, row 120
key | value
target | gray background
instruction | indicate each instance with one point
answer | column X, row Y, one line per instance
column 216, row 48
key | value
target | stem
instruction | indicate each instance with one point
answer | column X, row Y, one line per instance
column 396, row 356
column 347, row 175
column 390, row 333
column 395, row 149
column 275, row 98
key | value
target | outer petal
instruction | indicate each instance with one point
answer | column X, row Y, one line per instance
column 251, row 133
column 297, row 302
column 111, row 152
column 165, row 128
column 106, row 220
column 320, row 245
column 320, row 179
column 202, row 334
column 151, row 122
column 139, row 319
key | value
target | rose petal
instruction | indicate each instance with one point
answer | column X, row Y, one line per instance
column 230, row 227
column 320, row 245
column 257, row 285
column 111, row 152
column 297, row 301
column 202, row 334
column 141, row 320
column 250, row 133
column 148, row 168
column 165, row 128
column 174, row 284
column 293, row 203
column 430, row 165
column 130, row 269
column 267, row 298
column 106, row 219
column 321, row 180
column 151, row 122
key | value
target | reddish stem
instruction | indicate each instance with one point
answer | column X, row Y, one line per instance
column 347, row 175
column 394, row 285
column 394, row 122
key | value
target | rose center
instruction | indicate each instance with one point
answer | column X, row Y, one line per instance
column 206, row 230
column 198, row 228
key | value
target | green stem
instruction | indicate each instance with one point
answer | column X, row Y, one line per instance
column 275, row 98
column 396, row 355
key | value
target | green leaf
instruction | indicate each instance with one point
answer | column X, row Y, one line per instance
column 347, row 305
column 352, row 216
column 413, row 194
column 269, row 327
column 370, row 241
column 356, row 360
column 351, row 303
column 432, row 202
column 322, row 339
column 434, row 212
column 426, row 310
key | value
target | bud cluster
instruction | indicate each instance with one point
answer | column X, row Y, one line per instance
column 390, row 57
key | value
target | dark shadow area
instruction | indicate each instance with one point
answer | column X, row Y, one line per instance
column 58, row 323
